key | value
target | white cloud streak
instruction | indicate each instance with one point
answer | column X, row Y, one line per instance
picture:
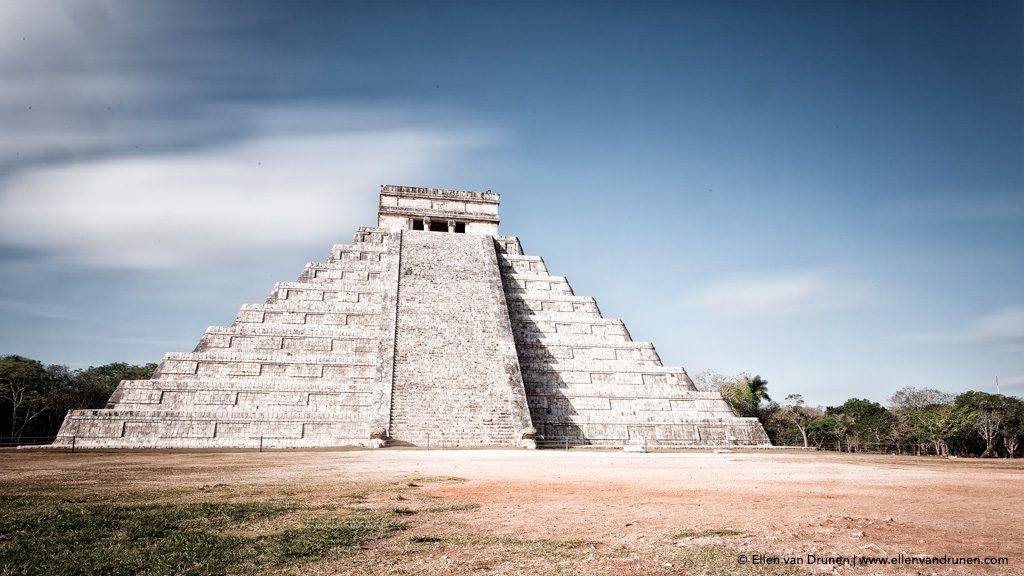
column 302, row 175
column 40, row 310
column 778, row 295
column 1012, row 383
column 1002, row 326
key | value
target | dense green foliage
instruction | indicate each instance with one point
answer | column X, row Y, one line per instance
column 34, row 398
column 916, row 421
column 49, row 536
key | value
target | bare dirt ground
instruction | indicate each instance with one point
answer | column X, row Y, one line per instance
column 592, row 512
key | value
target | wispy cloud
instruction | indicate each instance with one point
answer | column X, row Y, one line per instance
column 978, row 205
column 303, row 174
column 779, row 294
column 1003, row 326
column 172, row 344
column 1013, row 384
column 38, row 310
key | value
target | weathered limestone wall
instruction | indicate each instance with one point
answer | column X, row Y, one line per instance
column 457, row 378
column 478, row 211
column 306, row 368
column 589, row 383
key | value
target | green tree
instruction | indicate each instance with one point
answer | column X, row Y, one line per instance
column 938, row 424
column 94, row 385
column 868, row 422
column 986, row 414
column 827, row 431
column 910, row 406
column 1013, row 426
column 794, row 414
column 34, row 398
column 746, row 395
column 759, row 389
column 24, row 393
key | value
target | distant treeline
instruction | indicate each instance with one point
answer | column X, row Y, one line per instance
column 34, row 398
column 916, row 420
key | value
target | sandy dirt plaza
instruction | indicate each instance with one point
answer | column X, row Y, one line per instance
column 591, row 512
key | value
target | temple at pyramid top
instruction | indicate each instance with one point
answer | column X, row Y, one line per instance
column 427, row 330
column 438, row 210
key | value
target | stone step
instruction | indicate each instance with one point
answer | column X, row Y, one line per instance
column 523, row 265
column 235, row 400
column 301, row 315
column 650, row 376
column 558, row 404
column 323, row 293
column 336, row 307
column 289, row 344
column 338, row 369
column 315, row 272
column 532, row 285
column 600, row 350
column 339, row 331
column 528, row 326
column 266, row 414
column 367, row 355
column 585, row 306
column 248, row 385
column 589, row 364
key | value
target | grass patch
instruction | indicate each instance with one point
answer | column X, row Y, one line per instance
column 722, row 561
column 418, row 480
column 47, row 536
column 454, row 507
column 703, row 533
column 477, row 553
column 403, row 511
column 542, row 545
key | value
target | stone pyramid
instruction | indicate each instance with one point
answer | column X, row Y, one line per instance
column 428, row 330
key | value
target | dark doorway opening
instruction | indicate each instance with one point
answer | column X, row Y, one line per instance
column 460, row 227
column 417, row 224
column 438, row 226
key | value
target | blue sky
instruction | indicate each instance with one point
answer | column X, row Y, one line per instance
column 829, row 194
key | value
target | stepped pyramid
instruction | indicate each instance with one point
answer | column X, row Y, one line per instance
column 430, row 329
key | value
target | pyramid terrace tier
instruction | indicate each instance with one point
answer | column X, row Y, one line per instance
column 328, row 268
column 220, row 428
column 597, row 405
column 304, row 291
column 573, row 330
column 585, row 374
column 681, row 432
column 146, row 391
column 552, row 306
column 536, row 285
column 267, row 363
column 540, row 351
column 310, row 312
column 237, row 400
column 291, row 337
column 523, row 265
